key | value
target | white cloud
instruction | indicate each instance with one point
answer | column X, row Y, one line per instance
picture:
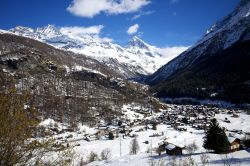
column 91, row 8
column 82, row 30
column 171, row 52
column 92, row 32
column 142, row 14
column 133, row 29
column 97, row 38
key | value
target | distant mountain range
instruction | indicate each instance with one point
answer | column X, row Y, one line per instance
column 217, row 67
column 137, row 58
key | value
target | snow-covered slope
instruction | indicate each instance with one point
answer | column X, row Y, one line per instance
column 219, row 37
column 135, row 59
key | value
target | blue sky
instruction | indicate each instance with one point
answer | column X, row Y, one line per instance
column 158, row 22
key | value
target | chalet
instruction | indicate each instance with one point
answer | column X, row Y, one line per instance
column 125, row 130
column 182, row 128
column 234, row 144
column 238, row 111
column 235, row 115
column 115, row 131
column 90, row 138
column 172, row 149
column 146, row 114
column 230, row 112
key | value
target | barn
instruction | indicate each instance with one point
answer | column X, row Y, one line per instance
column 172, row 149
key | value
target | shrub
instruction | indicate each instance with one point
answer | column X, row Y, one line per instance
column 204, row 159
column 93, row 157
column 106, row 154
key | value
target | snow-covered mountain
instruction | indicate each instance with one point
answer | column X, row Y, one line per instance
column 219, row 37
column 216, row 67
column 137, row 58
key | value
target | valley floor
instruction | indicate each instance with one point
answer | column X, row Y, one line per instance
column 120, row 147
column 143, row 159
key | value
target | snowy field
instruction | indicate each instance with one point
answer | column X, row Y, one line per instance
column 241, row 158
column 120, row 147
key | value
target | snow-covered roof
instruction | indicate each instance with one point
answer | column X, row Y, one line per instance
column 182, row 127
column 103, row 128
column 170, row 146
column 161, row 143
column 174, row 142
column 231, row 139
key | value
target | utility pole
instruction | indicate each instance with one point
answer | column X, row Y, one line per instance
column 151, row 148
column 120, row 146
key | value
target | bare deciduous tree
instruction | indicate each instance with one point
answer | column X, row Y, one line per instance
column 106, row 154
column 17, row 125
column 192, row 148
column 134, row 148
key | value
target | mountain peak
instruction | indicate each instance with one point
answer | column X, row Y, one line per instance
column 22, row 29
column 137, row 42
column 224, row 50
column 221, row 36
column 136, row 38
column 49, row 30
column 137, row 58
column 49, row 26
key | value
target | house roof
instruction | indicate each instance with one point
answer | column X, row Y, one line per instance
column 231, row 139
column 173, row 142
column 170, row 146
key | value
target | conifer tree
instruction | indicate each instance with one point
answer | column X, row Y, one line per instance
column 215, row 138
column 111, row 136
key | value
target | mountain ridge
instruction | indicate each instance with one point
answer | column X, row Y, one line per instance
column 135, row 59
column 200, row 72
